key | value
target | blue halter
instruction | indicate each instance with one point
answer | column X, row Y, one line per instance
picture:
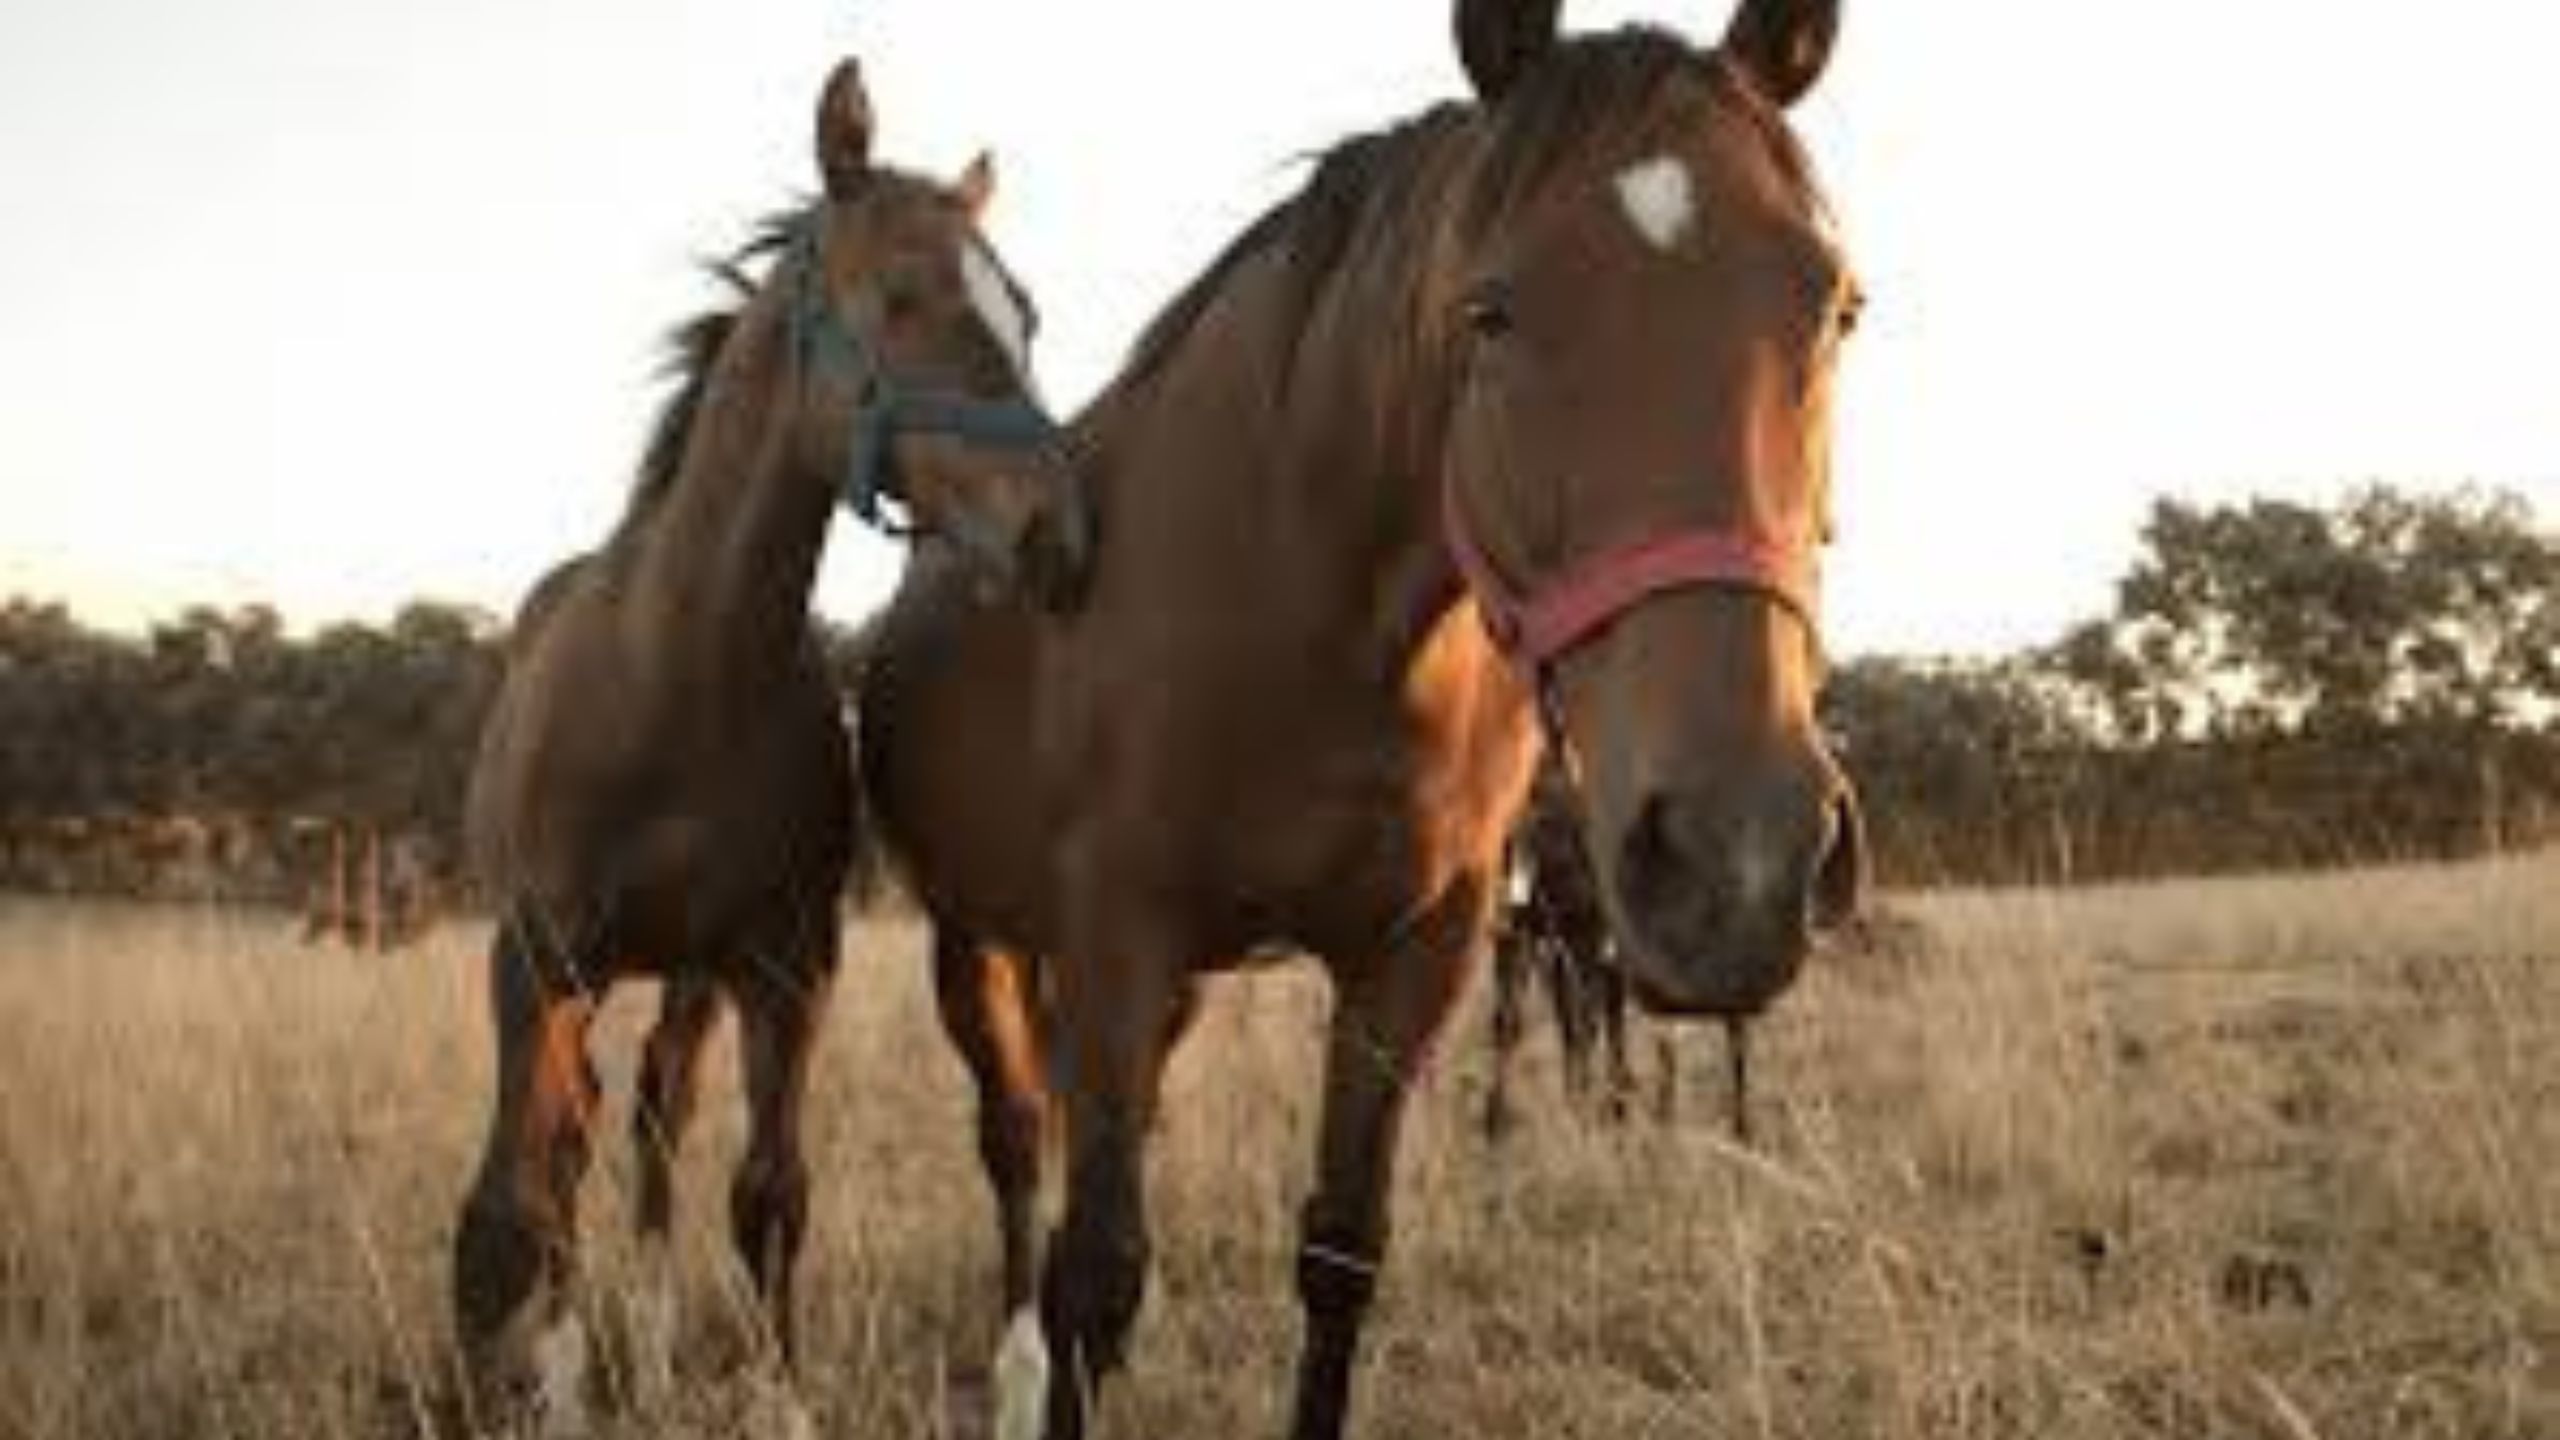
column 889, row 407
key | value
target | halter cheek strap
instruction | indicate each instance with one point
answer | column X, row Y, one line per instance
column 891, row 410
column 1537, row 625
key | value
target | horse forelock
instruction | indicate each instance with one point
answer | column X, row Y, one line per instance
column 1595, row 93
column 693, row 347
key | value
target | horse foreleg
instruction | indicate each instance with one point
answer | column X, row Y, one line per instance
column 515, row 1250
column 1116, row 1021
column 662, row 1110
column 1666, row 1105
column 1570, row 992
column 1608, row 987
column 990, row 1012
column 1510, row 1025
column 670, row 1071
column 1388, row 1010
column 769, row 1196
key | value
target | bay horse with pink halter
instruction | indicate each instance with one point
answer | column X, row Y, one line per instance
column 665, row 784
column 1519, row 408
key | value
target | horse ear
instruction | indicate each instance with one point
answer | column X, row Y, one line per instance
column 1783, row 44
column 977, row 185
column 844, row 131
column 1498, row 40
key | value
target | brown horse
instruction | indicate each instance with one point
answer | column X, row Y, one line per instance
column 1518, row 406
column 664, row 785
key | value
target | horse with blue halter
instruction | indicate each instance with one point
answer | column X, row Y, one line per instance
column 1516, row 419
column 665, row 784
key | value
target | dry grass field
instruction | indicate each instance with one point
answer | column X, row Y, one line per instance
column 2256, row 1158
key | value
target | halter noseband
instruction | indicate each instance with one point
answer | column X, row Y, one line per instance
column 889, row 407
column 1534, row 626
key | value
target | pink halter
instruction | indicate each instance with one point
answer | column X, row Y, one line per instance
column 1535, row 626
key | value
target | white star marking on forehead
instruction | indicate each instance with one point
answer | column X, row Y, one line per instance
column 1659, row 198
column 998, row 308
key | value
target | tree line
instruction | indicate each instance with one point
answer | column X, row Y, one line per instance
column 124, row 757
column 2278, row 684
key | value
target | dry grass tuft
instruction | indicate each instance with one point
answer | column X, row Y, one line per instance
column 2267, row 1158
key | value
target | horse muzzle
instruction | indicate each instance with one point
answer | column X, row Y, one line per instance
column 1718, row 894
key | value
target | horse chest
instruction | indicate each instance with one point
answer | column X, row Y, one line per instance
column 687, row 824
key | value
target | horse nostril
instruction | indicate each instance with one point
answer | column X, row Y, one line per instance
column 1646, row 853
column 1685, row 860
column 1661, row 871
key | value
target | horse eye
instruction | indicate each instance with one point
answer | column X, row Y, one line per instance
column 1487, row 312
column 1852, row 310
column 900, row 300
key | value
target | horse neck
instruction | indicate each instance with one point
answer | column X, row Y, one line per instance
column 1360, row 450
column 1311, row 489
column 730, row 556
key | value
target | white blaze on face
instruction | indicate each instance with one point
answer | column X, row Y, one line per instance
column 997, row 307
column 1659, row 197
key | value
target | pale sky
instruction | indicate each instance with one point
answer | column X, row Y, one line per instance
column 339, row 302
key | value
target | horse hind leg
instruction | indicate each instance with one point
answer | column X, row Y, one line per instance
column 1666, row 1104
column 991, row 1014
column 515, row 1249
column 1609, row 1001
column 779, row 1014
column 1117, row 1016
column 1570, row 994
column 662, row 1111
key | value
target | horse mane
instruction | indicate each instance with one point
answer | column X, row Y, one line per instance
column 1319, row 225
column 1360, row 200
column 692, row 348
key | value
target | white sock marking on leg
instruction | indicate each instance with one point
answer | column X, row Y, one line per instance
column 560, row 1363
column 654, row 1316
column 1022, row 1378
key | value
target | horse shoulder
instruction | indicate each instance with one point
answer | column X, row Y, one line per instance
column 1475, row 743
